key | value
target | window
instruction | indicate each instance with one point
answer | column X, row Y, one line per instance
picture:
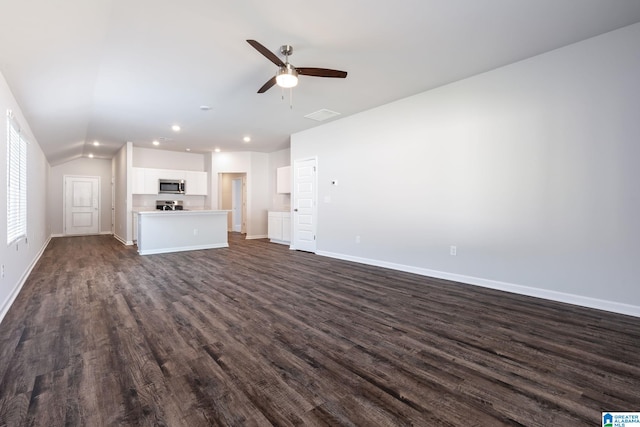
column 16, row 182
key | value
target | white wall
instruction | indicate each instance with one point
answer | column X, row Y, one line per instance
column 19, row 258
column 81, row 167
column 122, row 164
column 531, row 170
column 164, row 159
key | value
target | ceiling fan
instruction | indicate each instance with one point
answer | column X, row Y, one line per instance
column 287, row 75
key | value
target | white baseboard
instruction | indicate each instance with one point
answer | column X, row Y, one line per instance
column 183, row 249
column 76, row 235
column 257, row 236
column 280, row 242
column 14, row 294
column 612, row 306
column 123, row 241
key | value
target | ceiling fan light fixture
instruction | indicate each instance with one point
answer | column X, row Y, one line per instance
column 287, row 76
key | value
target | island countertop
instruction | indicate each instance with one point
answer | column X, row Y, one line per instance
column 181, row 230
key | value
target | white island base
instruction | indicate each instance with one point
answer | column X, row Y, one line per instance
column 175, row 231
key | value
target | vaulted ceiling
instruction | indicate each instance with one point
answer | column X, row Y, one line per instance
column 120, row 70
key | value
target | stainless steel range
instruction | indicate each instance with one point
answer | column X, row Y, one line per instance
column 169, row 205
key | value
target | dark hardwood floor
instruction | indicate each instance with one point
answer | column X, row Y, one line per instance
column 258, row 335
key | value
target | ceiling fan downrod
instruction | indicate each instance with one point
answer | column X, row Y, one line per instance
column 286, row 50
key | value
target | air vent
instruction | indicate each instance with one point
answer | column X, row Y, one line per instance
column 322, row 115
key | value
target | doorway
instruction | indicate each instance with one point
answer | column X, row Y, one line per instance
column 81, row 209
column 233, row 197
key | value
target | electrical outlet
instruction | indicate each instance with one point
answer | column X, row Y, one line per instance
column 357, row 239
column 195, row 231
column 453, row 250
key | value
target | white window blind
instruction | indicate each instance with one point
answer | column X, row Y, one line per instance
column 16, row 182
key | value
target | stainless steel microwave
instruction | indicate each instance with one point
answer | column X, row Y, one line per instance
column 172, row 186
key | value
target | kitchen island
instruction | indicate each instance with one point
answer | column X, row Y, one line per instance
column 181, row 230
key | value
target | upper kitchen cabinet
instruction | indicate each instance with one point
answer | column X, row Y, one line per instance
column 196, row 183
column 145, row 181
column 283, row 180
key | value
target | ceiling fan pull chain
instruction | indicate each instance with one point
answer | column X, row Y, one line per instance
column 291, row 98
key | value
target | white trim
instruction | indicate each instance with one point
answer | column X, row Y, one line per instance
column 14, row 294
column 183, row 249
column 75, row 235
column 257, row 236
column 280, row 242
column 611, row 306
column 123, row 241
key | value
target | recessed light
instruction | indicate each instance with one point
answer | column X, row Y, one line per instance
column 205, row 108
column 188, row 149
column 247, row 139
column 217, row 150
column 156, row 143
column 96, row 143
column 175, row 128
column 91, row 156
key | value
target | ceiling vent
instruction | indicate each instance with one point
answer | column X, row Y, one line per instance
column 322, row 115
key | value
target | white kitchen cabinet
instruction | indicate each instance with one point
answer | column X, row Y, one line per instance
column 196, row 183
column 137, row 180
column 279, row 227
column 151, row 181
column 283, row 180
column 170, row 173
column 286, row 227
column 144, row 181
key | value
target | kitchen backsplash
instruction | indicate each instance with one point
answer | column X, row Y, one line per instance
column 149, row 200
column 281, row 202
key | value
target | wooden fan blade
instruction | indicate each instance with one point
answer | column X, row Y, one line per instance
column 321, row 72
column 265, row 87
column 266, row 52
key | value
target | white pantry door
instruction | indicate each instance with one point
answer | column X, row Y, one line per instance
column 236, row 204
column 304, row 205
column 81, row 205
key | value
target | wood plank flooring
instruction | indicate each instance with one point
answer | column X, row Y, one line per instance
column 258, row 335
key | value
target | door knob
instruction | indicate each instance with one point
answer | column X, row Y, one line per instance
column 295, row 210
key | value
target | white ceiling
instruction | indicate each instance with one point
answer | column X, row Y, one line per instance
column 123, row 70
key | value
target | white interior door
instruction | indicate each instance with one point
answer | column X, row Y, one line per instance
column 236, row 204
column 304, row 205
column 82, row 205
